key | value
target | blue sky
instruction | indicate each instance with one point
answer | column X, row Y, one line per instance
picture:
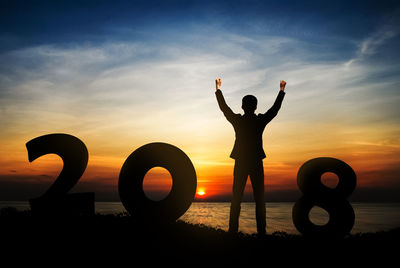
column 27, row 23
column 124, row 73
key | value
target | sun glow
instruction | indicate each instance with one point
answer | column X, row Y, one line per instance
column 201, row 192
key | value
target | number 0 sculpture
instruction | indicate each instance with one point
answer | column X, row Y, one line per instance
column 130, row 185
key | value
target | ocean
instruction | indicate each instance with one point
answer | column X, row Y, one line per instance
column 370, row 217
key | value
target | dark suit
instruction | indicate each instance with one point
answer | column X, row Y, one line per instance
column 248, row 153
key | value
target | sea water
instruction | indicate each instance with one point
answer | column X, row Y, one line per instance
column 370, row 217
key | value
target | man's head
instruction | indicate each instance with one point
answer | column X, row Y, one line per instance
column 249, row 104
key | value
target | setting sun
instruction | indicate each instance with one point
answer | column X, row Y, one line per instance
column 201, row 192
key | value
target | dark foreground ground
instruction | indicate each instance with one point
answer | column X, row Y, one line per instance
column 119, row 241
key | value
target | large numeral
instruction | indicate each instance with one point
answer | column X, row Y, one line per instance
column 74, row 154
column 131, row 177
column 334, row 201
column 130, row 186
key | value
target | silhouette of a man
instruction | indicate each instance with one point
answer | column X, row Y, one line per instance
column 248, row 152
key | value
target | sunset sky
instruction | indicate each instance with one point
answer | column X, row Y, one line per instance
column 121, row 74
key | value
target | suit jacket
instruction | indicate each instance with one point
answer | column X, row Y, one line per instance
column 249, row 128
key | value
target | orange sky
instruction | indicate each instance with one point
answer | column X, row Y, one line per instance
column 287, row 147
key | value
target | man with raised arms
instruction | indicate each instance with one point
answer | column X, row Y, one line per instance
column 248, row 152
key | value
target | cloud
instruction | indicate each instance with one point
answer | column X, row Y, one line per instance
column 372, row 43
column 117, row 96
column 84, row 85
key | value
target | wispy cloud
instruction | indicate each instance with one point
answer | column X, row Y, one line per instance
column 375, row 40
column 372, row 43
column 125, row 78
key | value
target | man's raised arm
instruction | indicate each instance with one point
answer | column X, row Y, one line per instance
column 229, row 114
column 273, row 111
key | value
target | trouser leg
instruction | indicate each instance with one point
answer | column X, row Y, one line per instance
column 257, row 182
column 239, row 183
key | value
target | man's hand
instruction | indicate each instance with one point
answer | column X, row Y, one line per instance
column 218, row 82
column 282, row 85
